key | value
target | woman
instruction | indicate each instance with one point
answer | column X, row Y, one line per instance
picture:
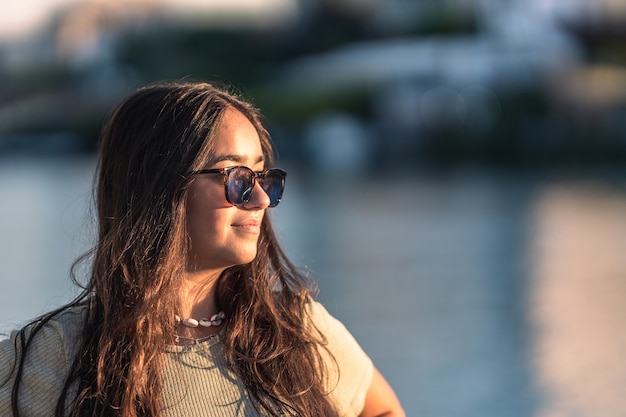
column 192, row 308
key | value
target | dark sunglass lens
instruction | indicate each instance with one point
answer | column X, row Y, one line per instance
column 239, row 185
column 273, row 185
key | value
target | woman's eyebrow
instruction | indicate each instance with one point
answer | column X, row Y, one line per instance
column 235, row 158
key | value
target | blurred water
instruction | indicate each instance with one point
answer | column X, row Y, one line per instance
column 43, row 227
column 476, row 294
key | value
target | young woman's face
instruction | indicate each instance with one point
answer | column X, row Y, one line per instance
column 223, row 235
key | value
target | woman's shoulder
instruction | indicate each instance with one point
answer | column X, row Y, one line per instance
column 69, row 320
column 325, row 322
column 55, row 334
column 330, row 327
column 315, row 309
column 46, row 349
column 349, row 372
column 63, row 326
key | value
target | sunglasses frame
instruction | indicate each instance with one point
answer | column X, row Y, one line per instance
column 225, row 172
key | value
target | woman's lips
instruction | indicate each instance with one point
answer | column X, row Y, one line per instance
column 249, row 226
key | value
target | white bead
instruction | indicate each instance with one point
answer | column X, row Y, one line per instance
column 215, row 320
column 190, row 322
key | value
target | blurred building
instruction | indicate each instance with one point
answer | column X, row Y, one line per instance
column 478, row 79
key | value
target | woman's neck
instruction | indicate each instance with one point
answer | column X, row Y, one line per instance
column 197, row 300
column 197, row 296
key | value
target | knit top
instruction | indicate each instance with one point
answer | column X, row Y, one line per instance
column 196, row 379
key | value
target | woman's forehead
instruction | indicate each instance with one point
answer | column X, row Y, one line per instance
column 236, row 140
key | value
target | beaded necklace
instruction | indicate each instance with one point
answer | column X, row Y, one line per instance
column 215, row 320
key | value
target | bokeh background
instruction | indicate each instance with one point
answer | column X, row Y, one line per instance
column 456, row 173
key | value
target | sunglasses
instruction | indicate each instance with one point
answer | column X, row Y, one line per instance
column 239, row 182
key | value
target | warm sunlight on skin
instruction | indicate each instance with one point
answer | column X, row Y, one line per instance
column 223, row 235
column 381, row 401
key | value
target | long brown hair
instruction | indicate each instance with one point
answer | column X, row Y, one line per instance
column 149, row 147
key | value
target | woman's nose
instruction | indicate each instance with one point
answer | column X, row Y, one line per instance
column 259, row 198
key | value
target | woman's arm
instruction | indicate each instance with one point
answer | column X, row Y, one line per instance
column 380, row 400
